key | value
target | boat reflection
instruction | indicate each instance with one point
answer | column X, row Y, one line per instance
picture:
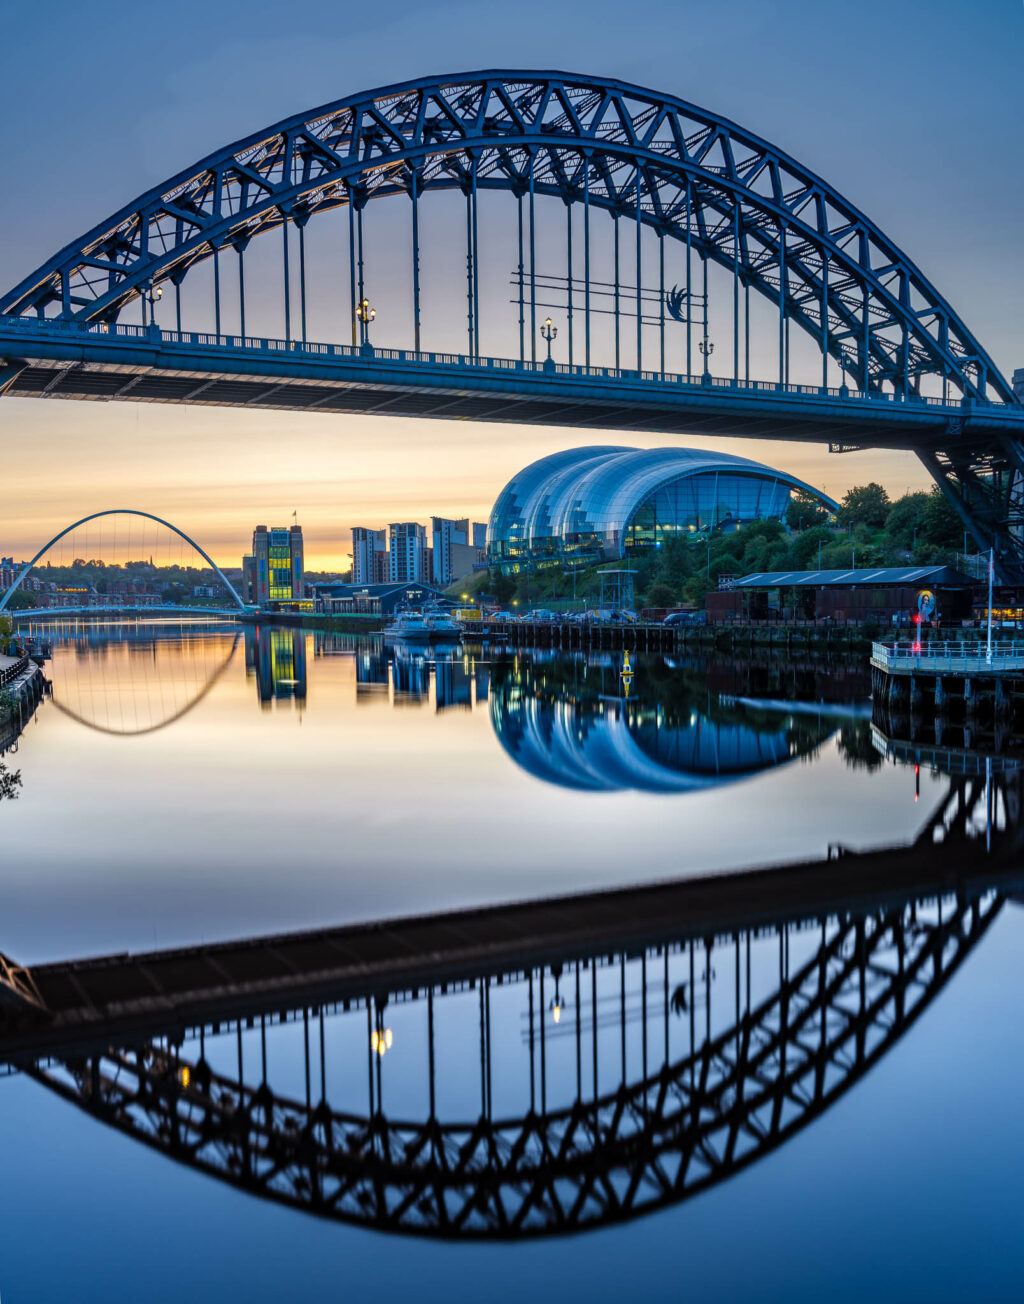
column 529, row 1070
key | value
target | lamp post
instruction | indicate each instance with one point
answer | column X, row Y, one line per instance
column 365, row 314
column 151, row 294
column 706, row 347
column 548, row 333
column 845, row 363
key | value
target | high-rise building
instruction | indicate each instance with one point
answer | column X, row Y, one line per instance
column 407, row 553
column 458, row 546
column 369, row 556
column 274, row 571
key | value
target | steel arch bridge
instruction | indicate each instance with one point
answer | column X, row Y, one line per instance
column 94, row 516
column 859, row 948
column 897, row 367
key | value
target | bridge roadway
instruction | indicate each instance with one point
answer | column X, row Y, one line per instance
column 84, row 360
column 81, row 1006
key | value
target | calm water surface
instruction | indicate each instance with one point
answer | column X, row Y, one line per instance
column 196, row 783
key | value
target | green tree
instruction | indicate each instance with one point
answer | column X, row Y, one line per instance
column 10, row 782
column 866, row 504
column 805, row 512
column 661, row 594
column 943, row 528
column 906, row 523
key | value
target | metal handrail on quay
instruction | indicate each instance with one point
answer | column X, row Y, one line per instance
column 951, row 657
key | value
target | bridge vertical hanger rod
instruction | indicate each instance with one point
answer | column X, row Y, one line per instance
column 661, row 298
column 323, row 1061
column 707, row 991
column 302, row 280
column 369, row 1055
column 483, row 1052
column 287, row 286
column 476, row 264
column 533, row 266
column 586, row 261
column 593, row 1023
column 622, row 1014
column 241, row 1072
column 643, row 1013
column 362, row 271
column 704, row 272
column 415, row 262
column 469, row 271
column 736, row 292
column 568, row 263
column 263, row 1048
column 639, row 278
column 824, row 321
column 693, row 1028
column 216, row 293
column 579, row 1033
column 305, row 1047
column 430, row 1050
column 666, row 1007
column 543, row 1049
column 532, row 1072
column 241, row 292
column 615, row 278
column 522, row 307
column 352, row 263
column 782, row 304
column 689, row 296
column 177, row 304
column 746, row 328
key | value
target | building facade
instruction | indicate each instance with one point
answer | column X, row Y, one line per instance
column 369, row 556
column 407, row 553
column 274, row 571
column 591, row 504
column 458, row 546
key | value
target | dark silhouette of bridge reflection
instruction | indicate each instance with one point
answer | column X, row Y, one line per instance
column 528, row 1070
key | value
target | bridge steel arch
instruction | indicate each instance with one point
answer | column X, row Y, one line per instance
column 687, row 173
column 649, row 1144
column 690, row 175
column 122, row 511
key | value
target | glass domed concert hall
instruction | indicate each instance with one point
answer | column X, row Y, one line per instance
column 591, row 504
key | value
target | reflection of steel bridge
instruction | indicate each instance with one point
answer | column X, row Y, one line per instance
column 120, row 608
column 875, row 938
column 694, row 200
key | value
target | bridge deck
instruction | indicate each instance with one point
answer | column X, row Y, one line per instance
column 121, row 362
column 111, row 998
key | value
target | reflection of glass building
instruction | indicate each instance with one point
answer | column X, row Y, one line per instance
column 578, row 736
column 277, row 657
column 590, row 503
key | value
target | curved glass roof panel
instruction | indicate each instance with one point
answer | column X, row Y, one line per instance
column 594, row 492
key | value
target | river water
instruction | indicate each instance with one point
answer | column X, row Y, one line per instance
column 188, row 784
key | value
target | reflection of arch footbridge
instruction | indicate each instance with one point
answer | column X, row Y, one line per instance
column 707, row 216
column 560, row 1065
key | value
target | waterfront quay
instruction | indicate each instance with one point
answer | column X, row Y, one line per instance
column 22, row 680
column 954, row 679
column 571, row 635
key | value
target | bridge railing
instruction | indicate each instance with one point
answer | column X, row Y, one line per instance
column 953, row 657
column 317, row 350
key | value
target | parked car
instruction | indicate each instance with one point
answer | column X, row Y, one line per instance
column 686, row 618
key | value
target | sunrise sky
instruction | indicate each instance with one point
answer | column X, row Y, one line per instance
column 128, row 103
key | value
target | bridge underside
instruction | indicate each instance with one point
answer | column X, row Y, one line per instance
column 974, row 451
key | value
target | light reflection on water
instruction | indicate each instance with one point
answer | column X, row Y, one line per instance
column 220, row 783
column 214, row 782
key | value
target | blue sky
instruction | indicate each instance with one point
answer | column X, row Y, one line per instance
column 912, row 110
